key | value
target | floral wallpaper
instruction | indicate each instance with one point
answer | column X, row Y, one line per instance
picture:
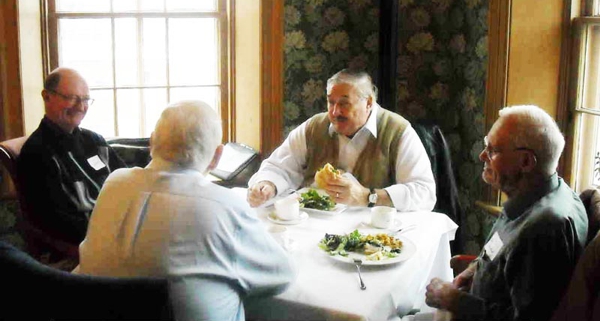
column 441, row 72
column 442, row 61
column 321, row 38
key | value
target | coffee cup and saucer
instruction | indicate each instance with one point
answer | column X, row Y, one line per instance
column 383, row 217
column 287, row 212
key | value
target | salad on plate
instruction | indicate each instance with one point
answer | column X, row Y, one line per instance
column 374, row 247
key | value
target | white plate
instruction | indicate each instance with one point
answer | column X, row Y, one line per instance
column 273, row 218
column 395, row 225
column 337, row 209
column 408, row 250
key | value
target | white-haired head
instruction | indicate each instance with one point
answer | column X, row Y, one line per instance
column 187, row 134
column 359, row 79
column 532, row 128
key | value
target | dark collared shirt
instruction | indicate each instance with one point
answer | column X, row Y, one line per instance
column 62, row 174
column 542, row 233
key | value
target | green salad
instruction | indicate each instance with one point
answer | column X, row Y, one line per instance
column 374, row 247
column 312, row 199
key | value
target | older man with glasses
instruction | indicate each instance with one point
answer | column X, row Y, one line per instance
column 61, row 166
column 530, row 253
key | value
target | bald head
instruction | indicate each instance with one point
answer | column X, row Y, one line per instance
column 64, row 96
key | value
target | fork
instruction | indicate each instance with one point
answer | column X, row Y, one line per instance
column 358, row 263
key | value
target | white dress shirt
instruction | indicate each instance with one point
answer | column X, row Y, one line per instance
column 415, row 186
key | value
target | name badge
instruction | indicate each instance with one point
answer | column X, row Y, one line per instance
column 96, row 162
column 493, row 246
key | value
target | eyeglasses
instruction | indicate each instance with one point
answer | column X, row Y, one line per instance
column 73, row 99
column 491, row 151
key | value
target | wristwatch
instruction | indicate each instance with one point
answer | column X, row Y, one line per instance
column 372, row 198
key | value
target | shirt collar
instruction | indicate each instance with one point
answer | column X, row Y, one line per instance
column 370, row 125
column 159, row 164
column 515, row 206
column 56, row 130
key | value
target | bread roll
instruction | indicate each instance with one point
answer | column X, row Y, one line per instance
column 327, row 171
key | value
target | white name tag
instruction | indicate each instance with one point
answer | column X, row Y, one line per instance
column 493, row 246
column 96, row 162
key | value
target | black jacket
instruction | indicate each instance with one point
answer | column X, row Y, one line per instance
column 56, row 172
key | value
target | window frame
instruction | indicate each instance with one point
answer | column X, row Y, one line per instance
column 225, row 15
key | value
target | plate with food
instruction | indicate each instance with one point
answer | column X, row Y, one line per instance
column 316, row 201
column 371, row 246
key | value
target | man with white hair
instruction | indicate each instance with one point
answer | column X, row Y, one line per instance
column 534, row 245
column 384, row 154
column 169, row 220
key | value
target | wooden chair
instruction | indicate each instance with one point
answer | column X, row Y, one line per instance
column 37, row 238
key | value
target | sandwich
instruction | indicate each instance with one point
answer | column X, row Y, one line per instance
column 325, row 173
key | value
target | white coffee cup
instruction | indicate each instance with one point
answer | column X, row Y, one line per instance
column 382, row 216
column 280, row 234
column 288, row 208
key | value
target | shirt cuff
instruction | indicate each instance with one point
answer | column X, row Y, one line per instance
column 280, row 183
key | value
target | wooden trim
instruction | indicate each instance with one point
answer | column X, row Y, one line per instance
column 271, row 76
column 231, row 72
column 11, row 100
column 499, row 21
column 564, row 114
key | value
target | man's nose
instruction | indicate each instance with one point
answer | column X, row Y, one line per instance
column 483, row 156
column 335, row 110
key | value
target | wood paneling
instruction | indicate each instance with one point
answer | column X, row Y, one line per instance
column 271, row 78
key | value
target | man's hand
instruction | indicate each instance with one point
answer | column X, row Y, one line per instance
column 261, row 192
column 347, row 191
column 442, row 295
column 465, row 278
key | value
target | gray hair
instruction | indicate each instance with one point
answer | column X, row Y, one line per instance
column 359, row 79
column 187, row 134
column 534, row 129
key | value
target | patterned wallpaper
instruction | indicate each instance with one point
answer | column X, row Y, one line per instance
column 442, row 59
column 321, row 38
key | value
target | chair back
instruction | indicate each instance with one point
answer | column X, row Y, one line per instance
column 35, row 291
column 591, row 201
column 36, row 237
column 441, row 165
column 581, row 301
column 9, row 151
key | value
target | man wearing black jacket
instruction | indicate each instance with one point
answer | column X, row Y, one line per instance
column 62, row 166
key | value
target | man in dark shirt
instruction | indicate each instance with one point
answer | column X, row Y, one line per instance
column 530, row 253
column 61, row 166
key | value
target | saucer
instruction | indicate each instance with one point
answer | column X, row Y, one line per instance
column 273, row 218
column 394, row 226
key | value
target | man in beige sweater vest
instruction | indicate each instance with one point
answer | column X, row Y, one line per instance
column 382, row 154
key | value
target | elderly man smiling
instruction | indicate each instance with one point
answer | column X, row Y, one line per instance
column 385, row 156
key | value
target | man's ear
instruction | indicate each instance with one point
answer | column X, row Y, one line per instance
column 528, row 161
column 369, row 102
column 45, row 95
column 215, row 161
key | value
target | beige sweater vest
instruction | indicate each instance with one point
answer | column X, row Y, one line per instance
column 375, row 166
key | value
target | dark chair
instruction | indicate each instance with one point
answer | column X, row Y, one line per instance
column 133, row 151
column 38, row 239
column 591, row 201
column 34, row 291
column 441, row 164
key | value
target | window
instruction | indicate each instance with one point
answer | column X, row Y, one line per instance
column 139, row 55
column 585, row 99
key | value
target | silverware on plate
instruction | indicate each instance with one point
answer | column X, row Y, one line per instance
column 358, row 263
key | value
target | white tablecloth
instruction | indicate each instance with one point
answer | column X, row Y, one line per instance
column 329, row 290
